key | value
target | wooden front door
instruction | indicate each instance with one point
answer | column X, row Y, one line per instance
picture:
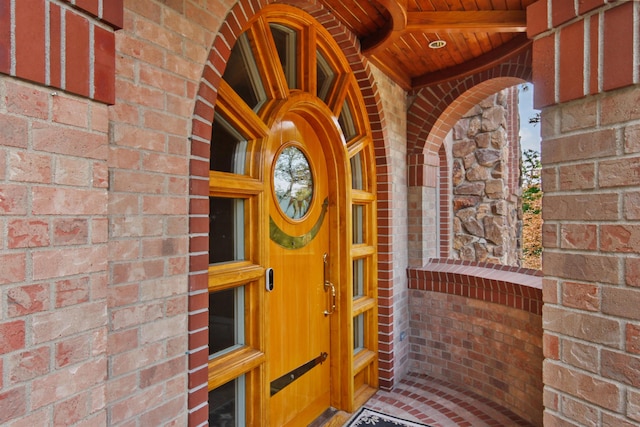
column 300, row 303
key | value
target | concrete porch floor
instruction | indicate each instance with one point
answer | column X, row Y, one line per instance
column 440, row 404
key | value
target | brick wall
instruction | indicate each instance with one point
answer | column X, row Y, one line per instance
column 66, row 44
column 162, row 50
column 53, row 256
column 589, row 94
column 53, row 207
column 479, row 325
column 94, row 203
column 143, row 166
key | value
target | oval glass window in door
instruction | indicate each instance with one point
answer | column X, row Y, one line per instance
column 293, row 182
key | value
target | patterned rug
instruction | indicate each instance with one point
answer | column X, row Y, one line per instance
column 369, row 417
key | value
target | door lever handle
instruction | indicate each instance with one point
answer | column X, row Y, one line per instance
column 328, row 285
column 333, row 298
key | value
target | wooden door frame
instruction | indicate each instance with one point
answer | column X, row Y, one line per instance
column 251, row 360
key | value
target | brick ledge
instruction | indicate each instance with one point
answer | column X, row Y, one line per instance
column 514, row 287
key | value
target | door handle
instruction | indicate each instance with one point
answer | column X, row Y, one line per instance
column 328, row 285
column 333, row 299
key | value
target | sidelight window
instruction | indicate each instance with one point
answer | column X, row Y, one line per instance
column 357, row 223
column 226, row 320
column 357, row 179
column 226, row 226
column 358, row 333
column 226, row 404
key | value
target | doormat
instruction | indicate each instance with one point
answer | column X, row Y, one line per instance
column 371, row 418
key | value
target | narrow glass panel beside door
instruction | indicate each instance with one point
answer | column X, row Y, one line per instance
column 357, row 220
column 227, row 404
column 226, row 320
column 358, row 278
column 226, row 230
column 357, row 180
column 358, row 333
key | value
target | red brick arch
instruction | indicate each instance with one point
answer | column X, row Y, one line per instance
column 433, row 113
column 230, row 30
column 437, row 108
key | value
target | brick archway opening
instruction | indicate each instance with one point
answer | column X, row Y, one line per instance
column 199, row 175
column 429, row 176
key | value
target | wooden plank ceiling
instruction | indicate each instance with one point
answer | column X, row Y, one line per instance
column 395, row 35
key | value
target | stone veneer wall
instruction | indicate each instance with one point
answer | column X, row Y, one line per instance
column 486, row 205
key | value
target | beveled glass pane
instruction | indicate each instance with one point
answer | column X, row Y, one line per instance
column 243, row 76
column 228, row 148
column 358, row 333
column 325, row 75
column 227, row 404
column 286, row 40
column 357, row 221
column 226, row 320
column 358, row 278
column 356, row 172
column 293, row 182
column 226, row 230
column 346, row 122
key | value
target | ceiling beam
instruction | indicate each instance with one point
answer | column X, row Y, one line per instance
column 490, row 21
column 398, row 11
column 473, row 21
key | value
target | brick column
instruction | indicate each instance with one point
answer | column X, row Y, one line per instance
column 422, row 194
column 54, row 246
column 585, row 69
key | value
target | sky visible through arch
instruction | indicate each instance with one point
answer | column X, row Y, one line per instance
column 529, row 133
